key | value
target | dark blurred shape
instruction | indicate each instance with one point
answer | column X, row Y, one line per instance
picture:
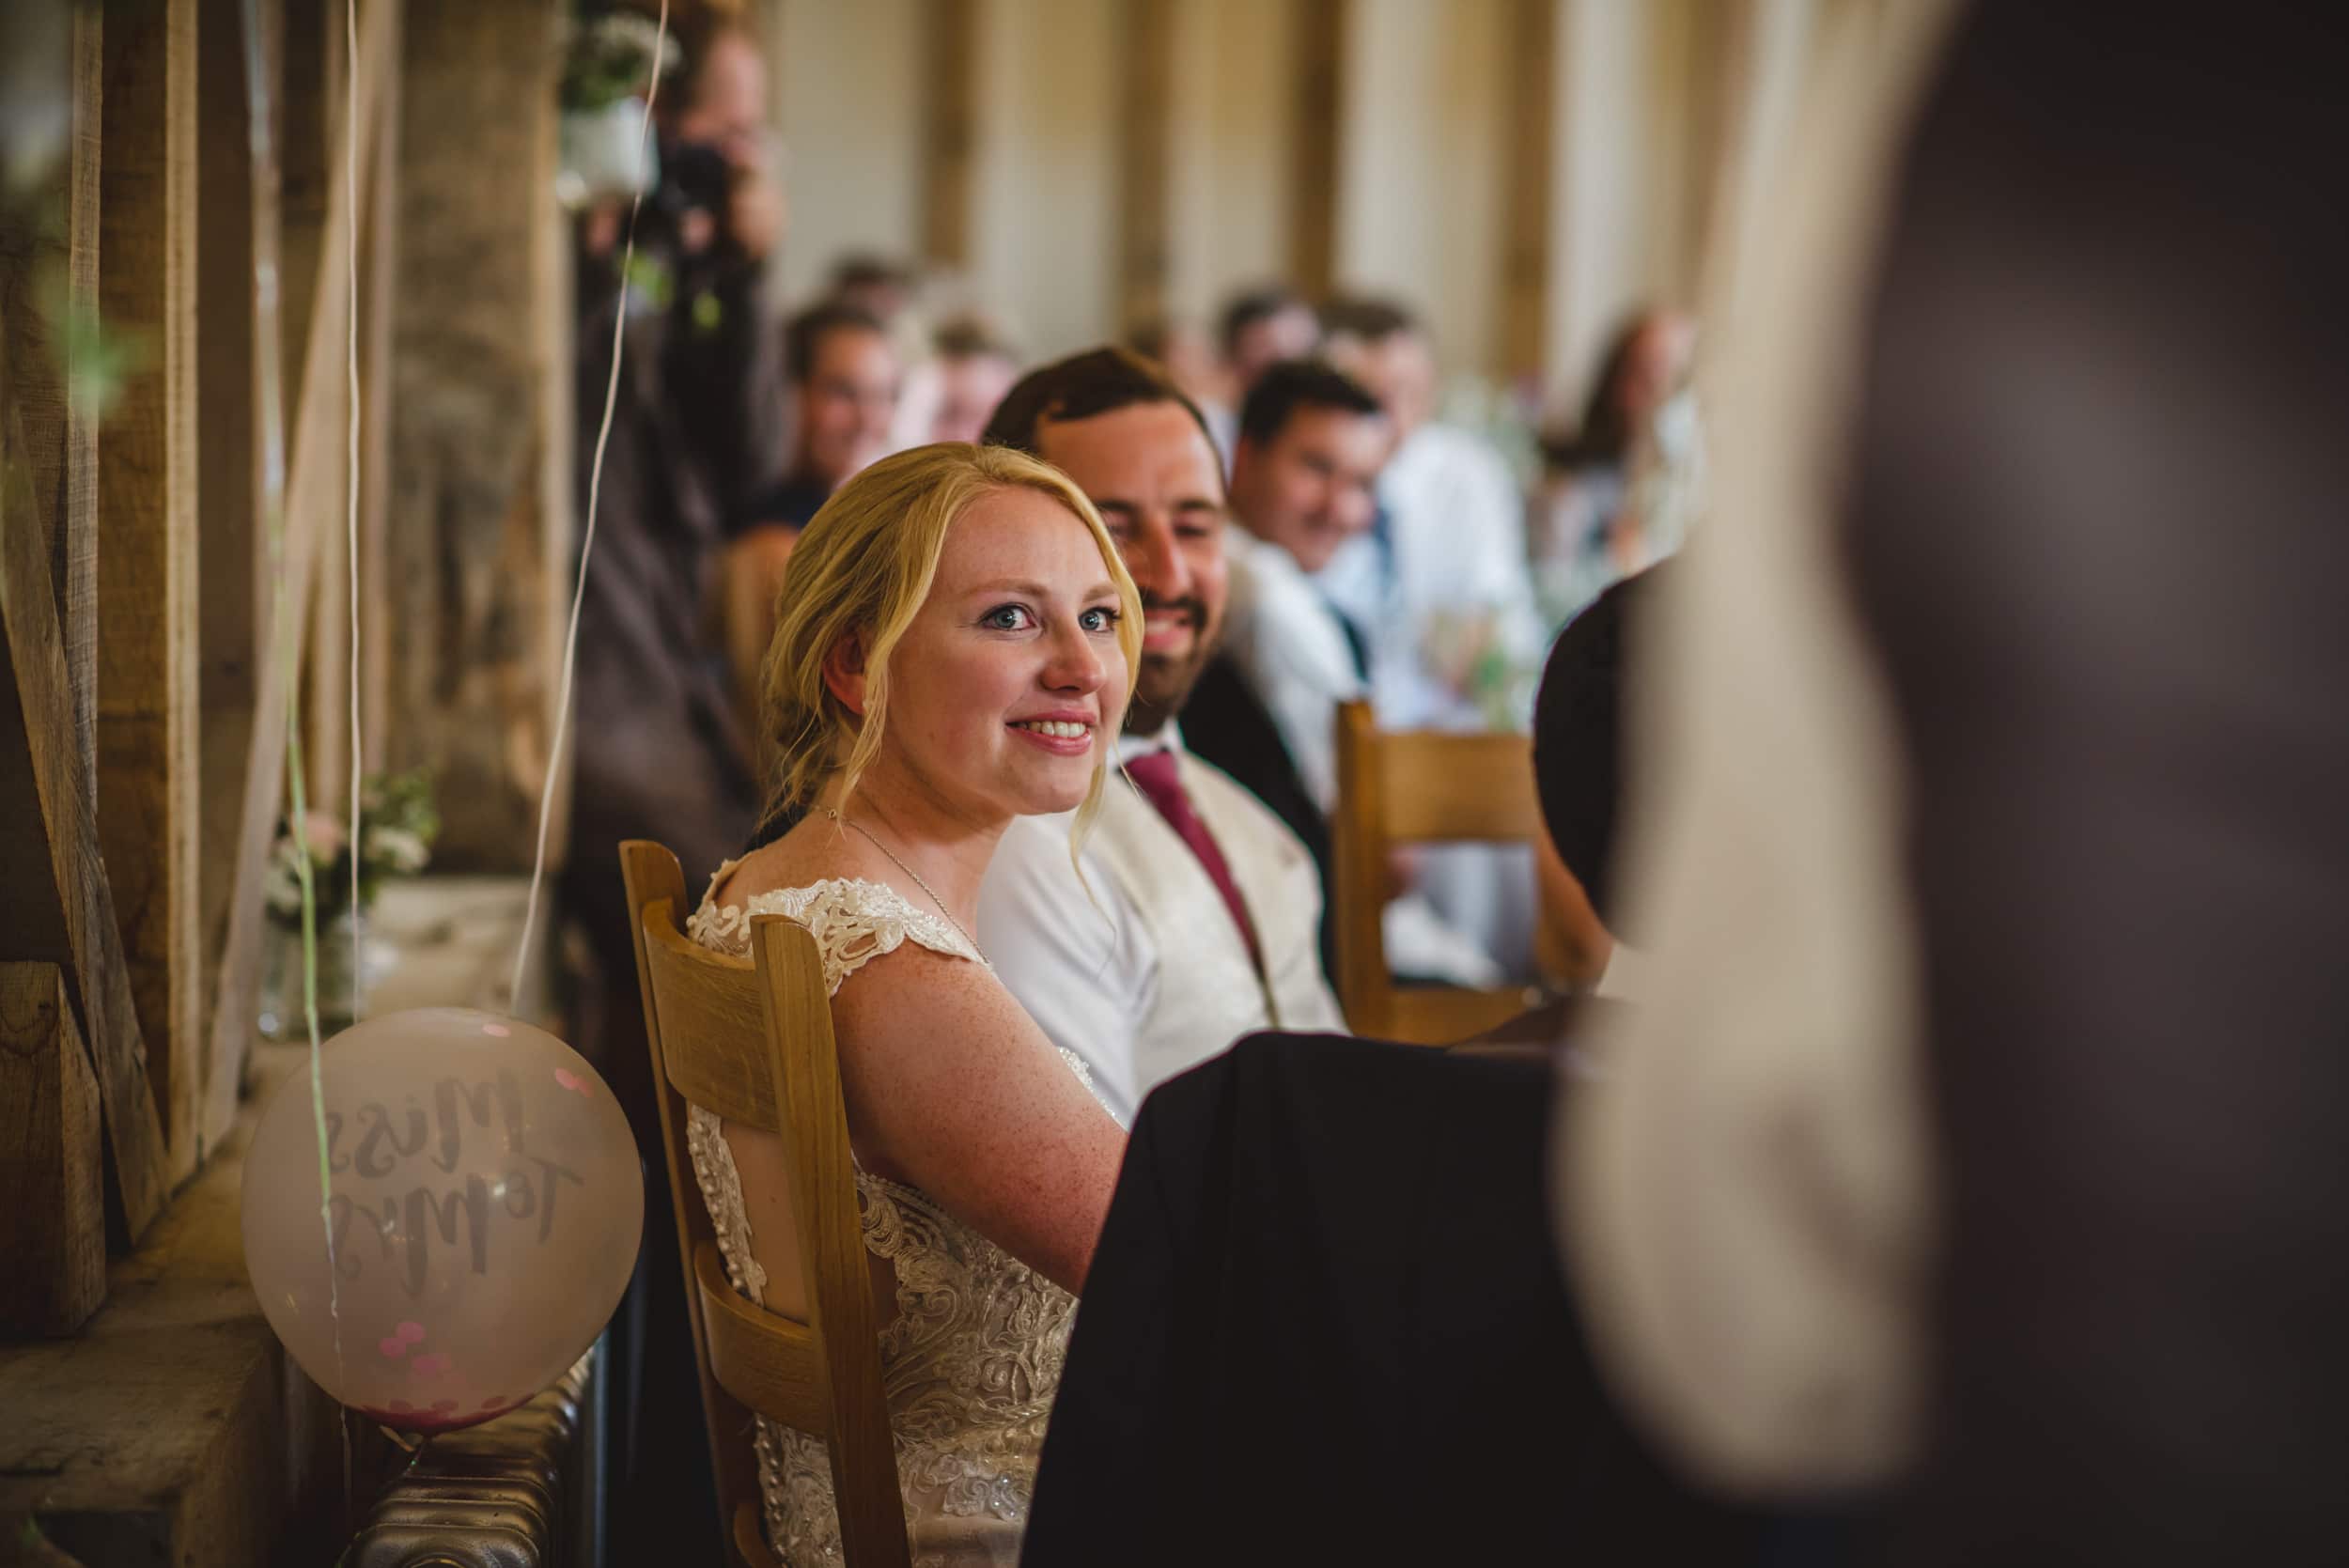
column 2099, row 535
column 1321, row 1328
column 1578, row 738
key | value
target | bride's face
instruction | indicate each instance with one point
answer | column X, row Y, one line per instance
column 1009, row 683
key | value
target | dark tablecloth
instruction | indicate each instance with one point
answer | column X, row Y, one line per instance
column 1326, row 1323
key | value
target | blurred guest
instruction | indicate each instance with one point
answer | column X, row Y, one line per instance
column 1311, row 443
column 1191, row 361
column 1439, row 586
column 1587, row 528
column 705, row 232
column 843, row 382
column 972, row 367
column 843, row 375
column 1989, row 1141
column 1196, row 916
column 882, row 289
column 658, row 751
column 1577, row 758
column 1440, row 592
column 1263, row 327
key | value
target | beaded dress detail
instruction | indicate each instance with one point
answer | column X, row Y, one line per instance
column 974, row 1357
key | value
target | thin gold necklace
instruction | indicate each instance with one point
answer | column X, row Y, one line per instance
column 834, row 813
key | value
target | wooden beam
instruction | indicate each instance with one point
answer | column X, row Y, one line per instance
column 478, row 545
column 950, row 161
column 49, row 279
column 326, row 673
column 147, row 773
column 1321, row 40
column 232, row 611
column 1144, row 155
column 1528, row 74
column 46, row 811
column 379, row 285
column 310, row 499
column 52, row 1228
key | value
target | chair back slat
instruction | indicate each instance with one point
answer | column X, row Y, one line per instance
column 769, row 1363
column 1400, row 787
column 1441, row 789
column 710, row 1017
column 753, row 1042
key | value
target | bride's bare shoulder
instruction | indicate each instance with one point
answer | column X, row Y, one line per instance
column 812, row 851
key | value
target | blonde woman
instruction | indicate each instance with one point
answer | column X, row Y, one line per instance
column 956, row 648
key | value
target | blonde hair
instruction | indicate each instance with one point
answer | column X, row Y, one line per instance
column 863, row 568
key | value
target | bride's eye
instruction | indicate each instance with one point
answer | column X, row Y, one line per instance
column 1008, row 617
column 1101, row 618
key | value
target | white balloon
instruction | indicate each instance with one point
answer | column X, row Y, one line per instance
column 484, row 1205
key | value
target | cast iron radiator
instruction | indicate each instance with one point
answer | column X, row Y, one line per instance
column 522, row 1491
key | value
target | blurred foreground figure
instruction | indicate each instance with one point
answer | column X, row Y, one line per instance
column 1982, row 1133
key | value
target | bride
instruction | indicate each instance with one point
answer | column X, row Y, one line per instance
column 956, row 647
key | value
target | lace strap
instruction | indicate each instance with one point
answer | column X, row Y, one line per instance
column 853, row 922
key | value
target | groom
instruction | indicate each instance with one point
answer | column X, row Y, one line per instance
column 1196, row 919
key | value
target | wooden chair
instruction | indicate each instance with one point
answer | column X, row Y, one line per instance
column 1423, row 786
column 753, row 1042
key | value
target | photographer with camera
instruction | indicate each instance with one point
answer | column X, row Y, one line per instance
column 697, row 429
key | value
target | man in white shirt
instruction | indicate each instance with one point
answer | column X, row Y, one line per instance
column 1195, row 917
column 1441, row 581
column 1312, row 441
column 1443, row 592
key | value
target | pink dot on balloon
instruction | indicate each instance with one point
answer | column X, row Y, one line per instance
column 571, row 1080
column 497, row 1030
column 430, row 1366
column 393, row 1347
column 495, row 1402
column 412, row 1332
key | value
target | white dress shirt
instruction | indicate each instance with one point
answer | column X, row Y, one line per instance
column 1138, row 968
column 1284, row 639
column 1454, row 555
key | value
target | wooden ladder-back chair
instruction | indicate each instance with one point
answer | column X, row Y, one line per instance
column 1429, row 787
column 753, row 1042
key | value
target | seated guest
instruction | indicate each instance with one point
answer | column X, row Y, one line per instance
column 1587, row 527
column 1982, row 1135
column 953, row 654
column 1264, row 327
column 1197, row 914
column 1440, row 591
column 1577, row 755
column 1439, row 583
column 1311, row 443
column 845, row 380
column 972, row 368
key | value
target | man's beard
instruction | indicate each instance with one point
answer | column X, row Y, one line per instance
column 1165, row 682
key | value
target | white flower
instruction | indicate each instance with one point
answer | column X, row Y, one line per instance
column 398, row 849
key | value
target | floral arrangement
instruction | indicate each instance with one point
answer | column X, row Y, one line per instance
column 397, row 825
column 611, row 59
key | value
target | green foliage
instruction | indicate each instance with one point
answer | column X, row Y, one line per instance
column 611, row 59
column 398, row 823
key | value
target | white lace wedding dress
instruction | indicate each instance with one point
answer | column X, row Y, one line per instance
column 974, row 1357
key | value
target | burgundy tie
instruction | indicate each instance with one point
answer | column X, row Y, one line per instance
column 1155, row 776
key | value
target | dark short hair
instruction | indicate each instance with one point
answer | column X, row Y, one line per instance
column 804, row 336
column 1252, row 305
column 865, row 269
column 1084, row 386
column 1578, row 734
column 971, row 336
column 1301, row 383
column 1371, row 318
